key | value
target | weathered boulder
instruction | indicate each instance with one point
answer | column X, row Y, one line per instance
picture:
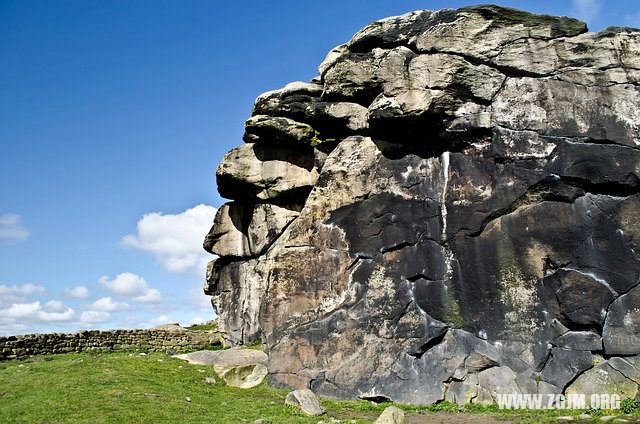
column 244, row 368
column 274, row 130
column 606, row 378
column 448, row 212
column 256, row 171
column 243, row 231
column 391, row 415
column 306, row 400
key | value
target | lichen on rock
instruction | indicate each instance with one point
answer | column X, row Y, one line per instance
column 447, row 212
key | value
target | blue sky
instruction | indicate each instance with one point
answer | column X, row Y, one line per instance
column 113, row 117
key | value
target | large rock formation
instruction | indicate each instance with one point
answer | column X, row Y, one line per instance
column 449, row 211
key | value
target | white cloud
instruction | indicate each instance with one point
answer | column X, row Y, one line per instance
column 108, row 305
column 18, row 294
column 586, row 10
column 131, row 286
column 91, row 317
column 51, row 311
column 78, row 292
column 175, row 239
column 11, row 228
column 162, row 319
column 22, row 290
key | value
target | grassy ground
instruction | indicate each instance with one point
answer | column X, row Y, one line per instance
column 153, row 388
column 203, row 327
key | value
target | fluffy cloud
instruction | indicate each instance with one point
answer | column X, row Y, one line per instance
column 78, row 292
column 174, row 239
column 107, row 304
column 586, row 9
column 92, row 317
column 11, row 228
column 20, row 291
column 34, row 311
column 18, row 294
column 131, row 286
column 162, row 319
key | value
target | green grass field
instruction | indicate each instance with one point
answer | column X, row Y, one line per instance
column 153, row 388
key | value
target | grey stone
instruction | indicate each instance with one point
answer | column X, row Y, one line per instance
column 227, row 236
column 603, row 378
column 391, row 415
column 564, row 365
column 579, row 340
column 621, row 333
column 244, row 368
column 242, row 231
column 259, row 172
column 306, row 400
column 275, row 130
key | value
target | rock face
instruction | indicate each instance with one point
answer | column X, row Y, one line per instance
column 449, row 211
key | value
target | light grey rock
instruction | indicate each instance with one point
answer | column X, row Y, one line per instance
column 267, row 224
column 579, row 296
column 278, row 130
column 603, row 378
column 494, row 381
column 621, row 333
column 228, row 236
column 244, row 231
column 579, row 340
column 332, row 57
column 391, row 415
column 604, row 112
column 479, row 32
column 244, row 368
column 627, row 367
column 350, row 115
column 258, row 172
column 306, row 400
column 238, row 289
column 564, row 365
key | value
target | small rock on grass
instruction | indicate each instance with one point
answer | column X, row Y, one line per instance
column 171, row 352
column 391, row 415
column 188, row 399
column 584, row 416
column 209, row 380
column 567, row 418
column 306, row 400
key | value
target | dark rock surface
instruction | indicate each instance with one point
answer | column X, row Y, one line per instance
column 449, row 211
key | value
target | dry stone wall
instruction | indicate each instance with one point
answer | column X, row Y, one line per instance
column 148, row 340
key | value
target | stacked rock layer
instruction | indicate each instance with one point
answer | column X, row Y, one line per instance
column 448, row 211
